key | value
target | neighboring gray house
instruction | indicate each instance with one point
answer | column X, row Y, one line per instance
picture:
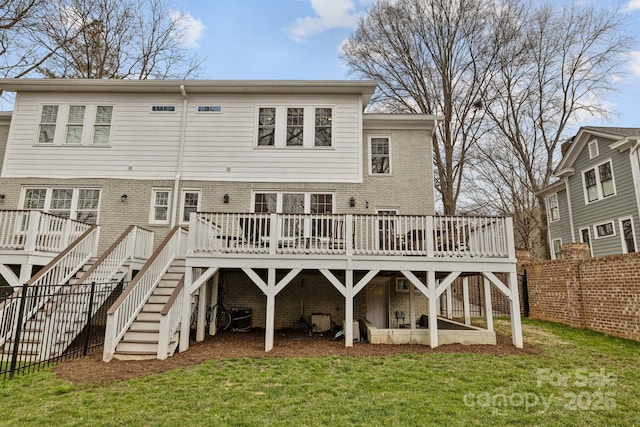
column 597, row 197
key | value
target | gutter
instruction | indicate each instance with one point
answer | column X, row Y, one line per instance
column 176, row 183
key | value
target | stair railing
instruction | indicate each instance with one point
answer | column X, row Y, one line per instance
column 124, row 311
column 53, row 275
column 170, row 319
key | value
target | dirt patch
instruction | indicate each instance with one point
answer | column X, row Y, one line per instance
column 287, row 344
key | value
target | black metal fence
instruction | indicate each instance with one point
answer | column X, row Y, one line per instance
column 41, row 325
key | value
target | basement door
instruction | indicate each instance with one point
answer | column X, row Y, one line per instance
column 378, row 302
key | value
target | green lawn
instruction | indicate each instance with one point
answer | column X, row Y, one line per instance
column 581, row 378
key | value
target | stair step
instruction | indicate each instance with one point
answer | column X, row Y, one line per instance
column 140, row 326
column 141, row 336
column 158, row 299
column 137, row 347
column 148, row 316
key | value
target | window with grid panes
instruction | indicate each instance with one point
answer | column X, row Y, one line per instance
column 48, row 120
column 295, row 126
column 324, row 119
column 75, row 124
column 102, row 126
column 266, row 126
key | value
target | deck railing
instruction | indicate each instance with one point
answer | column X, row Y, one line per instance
column 124, row 311
column 391, row 235
column 30, row 230
column 53, row 275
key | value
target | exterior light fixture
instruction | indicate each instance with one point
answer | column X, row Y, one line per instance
column 352, row 202
column 225, row 198
column 123, row 198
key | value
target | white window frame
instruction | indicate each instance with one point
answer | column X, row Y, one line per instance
column 553, row 252
column 280, row 196
column 551, row 207
column 163, row 109
column 152, row 210
column 593, row 149
column 81, row 125
column 276, row 127
column 55, row 125
column 209, row 109
column 75, row 192
column 303, row 127
column 183, row 195
column 402, row 284
column 633, row 230
column 281, row 126
column 597, row 236
column 588, row 229
column 62, row 124
column 370, row 160
column 596, row 169
column 315, row 127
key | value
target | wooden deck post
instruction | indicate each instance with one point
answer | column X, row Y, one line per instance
column 488, row 311
column 412, row 306
column 348, row 311
column 465, row 301
column 185, row 324
column 214, row 301
column 449, row 299
column 433, row 314
column 202, row 312
column 271, row 308
column 516, row 324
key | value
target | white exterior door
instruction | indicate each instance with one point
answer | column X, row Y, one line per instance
column 378, row 302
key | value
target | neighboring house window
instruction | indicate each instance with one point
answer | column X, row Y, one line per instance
column 323, row 127
column 190, row 203
column 81, row 204
column 267, row 126
column 598, row 182
column 380, row 155
column 552, row 204
column 556, row 245
column 604, row 230
column 160, row 206
column 585, row 237
column 75, row 124
column 102, row 127
column 295, row 126
column 628, row 236
column 593, row 149
column 48, row 121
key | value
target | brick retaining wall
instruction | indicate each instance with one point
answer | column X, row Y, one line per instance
column 601, row 293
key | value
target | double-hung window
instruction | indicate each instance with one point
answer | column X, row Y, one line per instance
column 323, row 126
column 379, row 155
column 599, row 182
column 190, row 203
column 75, row 124
column 604, row 229
column 48, row 120
column 102, row 127
column 556, row 245
column 295, row 127
column 160, row 198
column 552, row 204
column 266, row 126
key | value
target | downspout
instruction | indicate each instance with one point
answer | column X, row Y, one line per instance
column 176, row 183
column 566, row 189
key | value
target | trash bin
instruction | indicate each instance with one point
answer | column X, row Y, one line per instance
column 241, row 319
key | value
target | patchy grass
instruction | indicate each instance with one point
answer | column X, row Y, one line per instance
column 582, row 378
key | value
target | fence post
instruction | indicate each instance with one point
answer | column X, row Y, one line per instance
column 16, row 340
column 33, row 229
column 85, row 348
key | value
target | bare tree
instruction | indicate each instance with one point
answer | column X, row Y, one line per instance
column 117, row 39
column 553, row 65
column 430, row 56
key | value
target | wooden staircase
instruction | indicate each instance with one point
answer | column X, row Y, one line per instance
column 141, row 339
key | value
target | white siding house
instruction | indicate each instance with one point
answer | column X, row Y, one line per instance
column 260, row 188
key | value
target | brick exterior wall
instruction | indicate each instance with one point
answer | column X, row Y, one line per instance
column 601, row 293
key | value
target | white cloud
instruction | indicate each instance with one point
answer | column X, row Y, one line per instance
column 329, row 14
column 191, row 28
column 633, row 63
column 632, row 5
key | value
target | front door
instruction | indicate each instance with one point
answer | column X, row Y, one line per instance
column 378, row 302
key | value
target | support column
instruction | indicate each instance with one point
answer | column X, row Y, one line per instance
column 271, row 308
column 516, row 324
column 202, row 312
column 348, row 308
column 433, row 314
column 185, row 324
column 488, row 311
column 412, row 303
column 465, row 301
column 214, row 301
column 26, row 271
column 449, row 298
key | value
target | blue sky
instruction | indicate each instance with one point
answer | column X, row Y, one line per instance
column 300, row 39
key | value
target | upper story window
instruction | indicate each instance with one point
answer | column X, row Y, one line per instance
column 267, row 126
column 598, row 182
column 552, row 205
column 380, row 155
column 295, row 127
column 48, row 120
column 97, row 118
column 75, row 124
column 163, row 108
column 593, row 149
column 299, row 126
column 324, row 123
column 160, row 198
column 81, row 204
